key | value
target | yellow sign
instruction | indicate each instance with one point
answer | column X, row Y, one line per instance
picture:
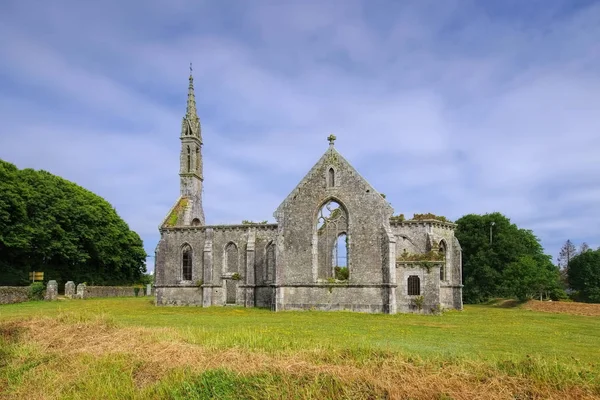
column 36, row 276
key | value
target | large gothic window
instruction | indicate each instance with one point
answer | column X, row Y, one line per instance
column 270, row 262
column 186, row 263
column 231, row 258
column 332, row 242
column 442, row 252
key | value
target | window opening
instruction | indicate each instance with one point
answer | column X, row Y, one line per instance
column 187, row 264
column 231, row 255
column 270, row 273
column 414, row 285
column 189, row 159
column 331, row 177
column 442, row 251
column 332, row 242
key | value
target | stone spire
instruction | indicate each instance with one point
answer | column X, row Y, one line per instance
column 191, row 122
column 190, row 171
column 190, row 111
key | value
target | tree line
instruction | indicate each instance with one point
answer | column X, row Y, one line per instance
column 51, row 225
column 580, row 271
column 502, row 260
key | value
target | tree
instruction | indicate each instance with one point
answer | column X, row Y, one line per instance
column 491, row 244
column 528, row 278
column 51, row 225
column 584, row 276
column 567, row 252
column 584, row 247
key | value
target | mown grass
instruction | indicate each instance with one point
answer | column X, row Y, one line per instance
column 128, row 348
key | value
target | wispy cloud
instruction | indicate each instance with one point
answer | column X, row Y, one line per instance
column 452, row 107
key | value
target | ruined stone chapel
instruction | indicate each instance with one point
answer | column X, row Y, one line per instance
column 335, row 246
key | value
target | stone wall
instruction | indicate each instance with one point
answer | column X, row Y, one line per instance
column 112, row 291
column 242, row 269
column 13, row 294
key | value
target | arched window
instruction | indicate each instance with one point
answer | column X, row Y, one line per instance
column 331, row 177
column 231, row 258
column 331, row 241
column 186, row 263
column 189, row 159
column 270, row 262
column 442, row 252
column 195, row 222
column 414, row 285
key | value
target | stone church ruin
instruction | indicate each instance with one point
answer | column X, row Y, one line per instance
column 335, row 246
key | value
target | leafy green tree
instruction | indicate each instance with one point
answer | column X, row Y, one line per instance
column 584, row 275
column 529, row 278
column 51, row 225
column 491, row 244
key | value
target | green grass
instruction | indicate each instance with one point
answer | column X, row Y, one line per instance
column 552, row 351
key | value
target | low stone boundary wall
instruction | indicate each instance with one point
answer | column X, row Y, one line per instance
column 90, row 292
column 13, row 294
column 19, row 294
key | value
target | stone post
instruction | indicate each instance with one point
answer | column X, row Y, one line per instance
column 51, row 291
column 148, row 290
column 70, row 289
column 80, row 291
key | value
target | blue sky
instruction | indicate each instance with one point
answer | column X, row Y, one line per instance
column 450, row 107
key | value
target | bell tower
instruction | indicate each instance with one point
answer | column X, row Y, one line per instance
column 190, row 168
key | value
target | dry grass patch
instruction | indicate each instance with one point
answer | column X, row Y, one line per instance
column 563, row 307
column 75, row 357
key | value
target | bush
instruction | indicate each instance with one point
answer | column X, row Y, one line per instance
column 36, row 291
column 341, row 273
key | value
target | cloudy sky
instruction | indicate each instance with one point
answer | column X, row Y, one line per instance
column 450, row 107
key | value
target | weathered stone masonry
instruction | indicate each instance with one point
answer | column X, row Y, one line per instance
column 333, row 222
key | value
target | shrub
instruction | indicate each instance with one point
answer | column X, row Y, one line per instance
column 341, row 273
column 36, row 291
column 419, row 301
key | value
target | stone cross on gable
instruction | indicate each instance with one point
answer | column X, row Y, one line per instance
column 331, row 139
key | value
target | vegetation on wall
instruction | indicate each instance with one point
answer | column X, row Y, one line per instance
column 51, row 225
column 397, row 218
column 429, row 216
column 246, row 222
column 429, row 256
column 500, row 259
column 341, row 273
column 177, row 212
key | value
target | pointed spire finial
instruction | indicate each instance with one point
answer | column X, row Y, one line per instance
column 191, row 101
column 331, row 139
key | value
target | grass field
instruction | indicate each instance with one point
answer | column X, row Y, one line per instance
column 128, row 348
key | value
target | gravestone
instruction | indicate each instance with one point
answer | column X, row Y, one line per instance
column 70, row 289
column 80, row 291
column 51, row 291
column 148, row 290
